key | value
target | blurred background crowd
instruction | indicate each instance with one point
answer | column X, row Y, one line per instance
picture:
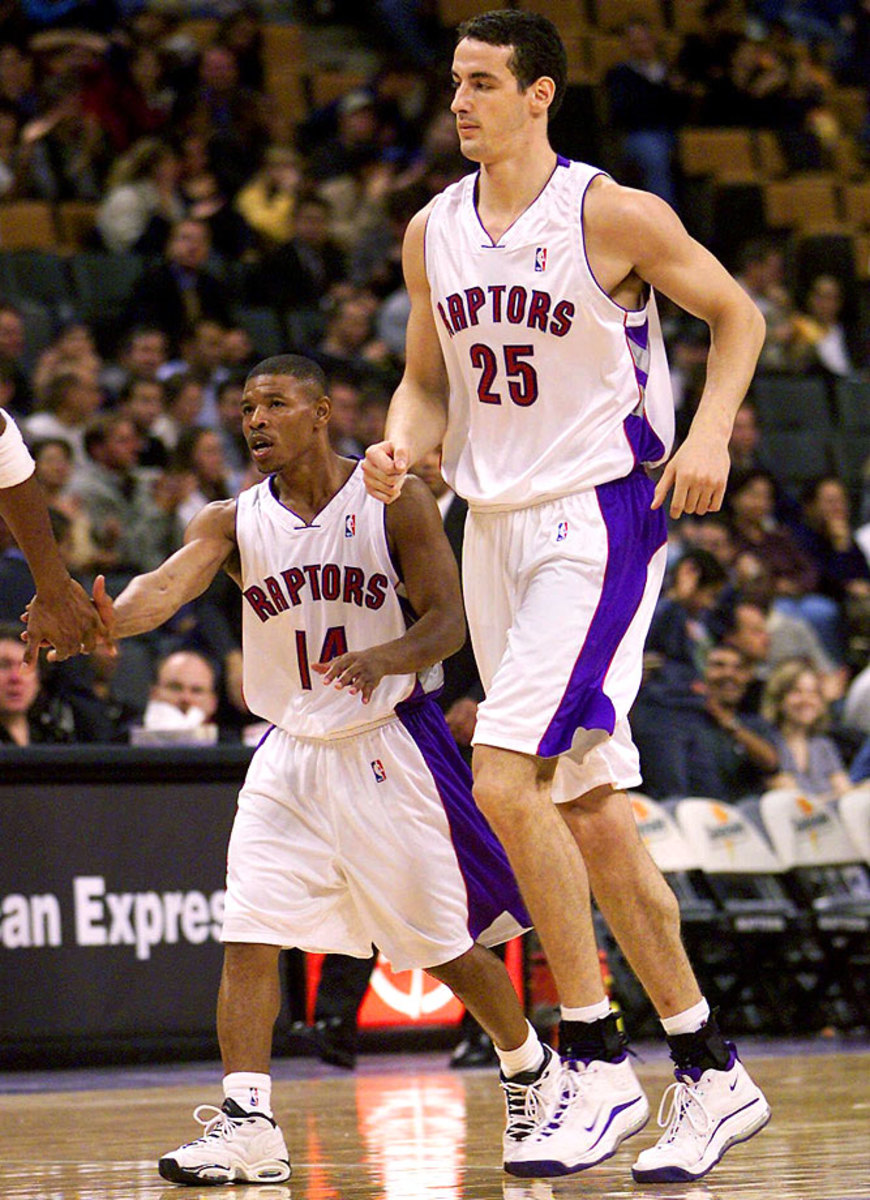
column 186, row 189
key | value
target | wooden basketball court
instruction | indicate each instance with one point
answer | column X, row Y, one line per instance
column 403, row 1127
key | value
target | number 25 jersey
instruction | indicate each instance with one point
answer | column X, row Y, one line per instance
column 554, row 388
column 311, row 592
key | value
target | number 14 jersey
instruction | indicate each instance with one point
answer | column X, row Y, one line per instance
column 554, row 388
column 311, row 592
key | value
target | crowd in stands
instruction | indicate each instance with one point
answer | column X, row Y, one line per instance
column 223, row 231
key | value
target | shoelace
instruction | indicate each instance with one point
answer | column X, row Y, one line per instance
column 218, row 1125
column 528, row 1108
column 683, row 1101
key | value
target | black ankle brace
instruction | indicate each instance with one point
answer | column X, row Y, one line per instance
column 587, row 1040
column 704, row 1049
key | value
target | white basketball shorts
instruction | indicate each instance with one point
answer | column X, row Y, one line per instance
column 559, row 599
column 373, row 838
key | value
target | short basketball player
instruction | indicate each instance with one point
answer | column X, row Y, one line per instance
column 535, row 355
column 61, row 615
column 356, row 822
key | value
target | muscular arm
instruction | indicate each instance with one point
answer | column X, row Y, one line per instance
column 150, row 600
column 431, row 580
column 61, row 615
column 633, row 238
column 418, row 411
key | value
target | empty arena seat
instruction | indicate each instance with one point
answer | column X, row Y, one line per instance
column 766, row 962
column 675, row 858
column 830, row 877
column 854, row 810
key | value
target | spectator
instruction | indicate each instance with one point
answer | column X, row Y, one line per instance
column 184, row 693
column 65, row 407
column 350, row 340
column 825, row 534
column 299, row 274
column 142, row 400
column 241, row 31
column 819, row 340
column 68, row 152
column 704, row 56
column 751, row 496
column 183, row 409
column 232, row 118
column 679, row 637
column 233, row 444
column 13, row 344
column 25, row 715
column 54, row 471
column 859, row 768
column 231, row 236
column 856, row 709
column 15, row 156
column 345, row 395
column 179, row 291
column 268, row 200
column 198, row 458
column 707, row 749
column 354, row 142
column 794, row 705
column 16, row 80
column 201, row 358
column 74, row 352
column 131, row 530
column 646, row 108
column 144, row 350
column 761, row 273
column 143, row 201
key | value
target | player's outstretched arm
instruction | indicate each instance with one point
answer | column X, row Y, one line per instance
column 149, row 600
column 61, row 615
column 418, row 410
column 431, row 579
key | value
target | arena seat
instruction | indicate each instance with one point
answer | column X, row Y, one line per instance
column 854, row 810
column 103, row 283
column 76, row 223
column 726, row 154
column 827, row 874
column 41, row 276
column 806, row 202
column 27, row 225
column 768, row 959
column 793, row 402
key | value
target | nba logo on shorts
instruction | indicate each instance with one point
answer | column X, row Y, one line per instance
column 378, row 771
column 350, row 525
column 561, row 531
column 541, row 258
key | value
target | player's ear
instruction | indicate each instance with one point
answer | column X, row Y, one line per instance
column 322, row 410
column 543, row 90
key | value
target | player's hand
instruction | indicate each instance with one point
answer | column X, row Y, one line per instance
column 360, row 671
column 698, row 474
column 66, row 622
column 105, row 606
column 384, row 468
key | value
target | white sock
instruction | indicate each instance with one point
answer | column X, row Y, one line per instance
column 690, row 1021
column 250, row 1090
column 528, row 1057
column 591, row 1012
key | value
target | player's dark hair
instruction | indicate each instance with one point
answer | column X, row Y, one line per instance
column 537, row 48
column 305, row 370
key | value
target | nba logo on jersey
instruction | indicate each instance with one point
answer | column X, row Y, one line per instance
column 378, row 771
column 350, row 525
column 561, row 531
column 541, row 258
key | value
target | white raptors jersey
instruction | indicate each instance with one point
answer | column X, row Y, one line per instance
column 311, row 592
column 553, row 386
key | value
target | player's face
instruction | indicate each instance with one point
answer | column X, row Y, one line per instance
column 280, row 415
column 491, row 112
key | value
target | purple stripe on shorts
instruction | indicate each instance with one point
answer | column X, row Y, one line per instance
column 489, row 880
column 634, row 534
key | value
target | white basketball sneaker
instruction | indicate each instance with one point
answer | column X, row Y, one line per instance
column 601, row 1105
column 237, row 1147
column 702, row 1115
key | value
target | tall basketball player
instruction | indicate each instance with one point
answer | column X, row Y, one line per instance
column 61, row 615
column 356, row 822
column 534, row 354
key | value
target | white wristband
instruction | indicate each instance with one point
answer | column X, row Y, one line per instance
column 16, row 463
